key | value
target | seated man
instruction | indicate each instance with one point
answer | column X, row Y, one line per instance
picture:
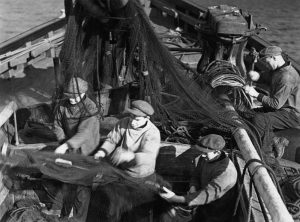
column 283, row 101
column 212, row 187
column 134, row 142
column 76, row 126
column 133, row 145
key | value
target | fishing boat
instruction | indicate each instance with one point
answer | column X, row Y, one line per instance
column 30, row 72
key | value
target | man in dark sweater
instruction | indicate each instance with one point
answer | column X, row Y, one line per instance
column 76, row 127
column 212, row 187
column 283, row 103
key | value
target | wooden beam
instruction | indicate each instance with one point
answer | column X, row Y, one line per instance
column 6, row 113
column 262, row 179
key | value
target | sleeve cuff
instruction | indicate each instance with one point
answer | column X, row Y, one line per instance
column 260, row 97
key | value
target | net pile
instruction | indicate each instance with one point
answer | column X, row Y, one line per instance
column 113, row 192
column 126, row 49
column 122, row 48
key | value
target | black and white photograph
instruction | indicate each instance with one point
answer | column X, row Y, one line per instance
column 149, row 111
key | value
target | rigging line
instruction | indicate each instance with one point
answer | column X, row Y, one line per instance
column 98, row 79
column 250, row 198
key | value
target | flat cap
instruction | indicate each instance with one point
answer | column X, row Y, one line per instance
column 210, row 143
column 270, row 51
column 140, row 108
column 75, row 87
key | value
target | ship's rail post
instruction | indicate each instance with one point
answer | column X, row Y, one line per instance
column 262, row 179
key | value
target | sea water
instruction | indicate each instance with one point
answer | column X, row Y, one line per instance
column 281, row 17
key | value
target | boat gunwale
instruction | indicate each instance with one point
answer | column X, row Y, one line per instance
column 31, row 35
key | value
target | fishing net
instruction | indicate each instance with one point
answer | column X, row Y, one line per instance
column 113, row 192
column 126, row 48
column 120, row 48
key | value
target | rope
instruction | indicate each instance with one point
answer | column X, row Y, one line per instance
column 270, row 171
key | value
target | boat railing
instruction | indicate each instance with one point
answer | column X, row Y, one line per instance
column 42, row 41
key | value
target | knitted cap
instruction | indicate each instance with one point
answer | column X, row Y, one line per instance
column 75, row 87
column 141, row 108
column 210, row 143
column 270, row 51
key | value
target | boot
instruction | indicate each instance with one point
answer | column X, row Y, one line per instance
column 279, row 144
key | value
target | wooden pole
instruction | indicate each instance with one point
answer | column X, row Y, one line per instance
column 16, row 129
column 262, row 179
column 6, row 113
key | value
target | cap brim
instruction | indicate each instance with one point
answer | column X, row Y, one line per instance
column 203, row 149
column 135, row 112
column 265, row 56
column 71, row 95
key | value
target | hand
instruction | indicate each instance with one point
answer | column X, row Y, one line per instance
column 121, row 156
column 99, row 154
column 62, row 149
column 251, row 91
column 192, row 189
column 253, row 75
column 167, row 194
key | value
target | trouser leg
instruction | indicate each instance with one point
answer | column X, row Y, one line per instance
column 78, row 198
column 265, row 123
column 69, row 194
column 81, row 203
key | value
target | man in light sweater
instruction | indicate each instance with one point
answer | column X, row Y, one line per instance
column 134, row 142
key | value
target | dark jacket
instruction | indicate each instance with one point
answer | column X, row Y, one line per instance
column 285, row 90
column 216, row 191
column 78, row 125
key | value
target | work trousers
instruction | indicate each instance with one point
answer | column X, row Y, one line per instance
column 266, row 123
column 78, row 198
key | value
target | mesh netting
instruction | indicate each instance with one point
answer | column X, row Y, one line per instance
column 98, row 52
column 113, row 192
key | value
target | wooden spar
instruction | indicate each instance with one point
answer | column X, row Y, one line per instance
column 262, row 179
column 7, row 112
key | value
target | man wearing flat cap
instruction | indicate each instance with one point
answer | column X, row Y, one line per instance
column 76, row 127
column 283, row 103
column 212, row 187
column 134, row 142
